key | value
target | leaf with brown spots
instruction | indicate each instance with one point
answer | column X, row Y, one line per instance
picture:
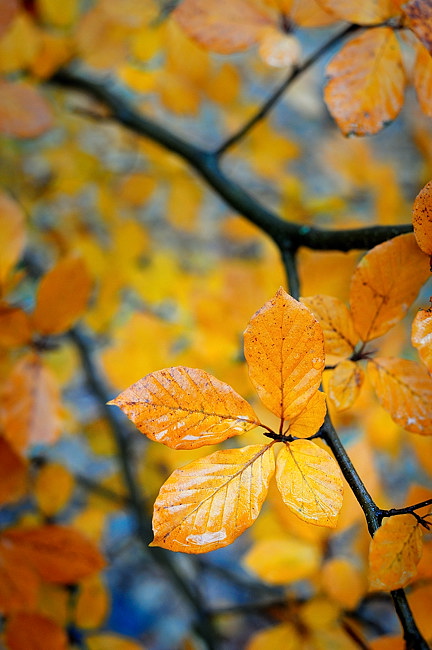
column 422, row 218
column 419, row 20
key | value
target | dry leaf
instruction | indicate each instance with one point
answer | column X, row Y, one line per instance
column 419, row 19
column 185, row 408
column 421, row 336
column 422, row 218
column 210, row 502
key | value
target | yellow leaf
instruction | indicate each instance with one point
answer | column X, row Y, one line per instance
column 108, row 641
column 53, row 488
column 344, row 384
column 385, row 283
column 362, row 13
column 340, row 337
column 185, row 408
column 422, row 218
column 283, row 560
column 62, row 296
column 395, row 552
column 404, row 389
column 284, row 349
column 92, row 603
column 419, row 19
column 24, row 112
column 343, row 582
column 310, row 419
column 59, row 14
column 12, row 233
column 211, row 501
column 280, row 636
column 310, row 482
column 20, row 44
column 421, row 336
column 366, row 82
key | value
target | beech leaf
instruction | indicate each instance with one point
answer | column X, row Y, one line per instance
column 310, row 482
column 186, row 408
column 422, row 82
column 404, row 389
column 210, row 502
column 310, row 419
column 422, row 217
column 283, row 560
column 385, row 283
column 421, row 336
column 284, row 348
column 394, row 553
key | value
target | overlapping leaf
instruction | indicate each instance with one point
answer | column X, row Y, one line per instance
column 344, row 384
column 310, row 419
column 421, row 336
column 422, row 217
column 395, row 552
column 366, row 82
column 185, row 408
column 404, row 389
column 361, row 13
column 211, row 501
column 310, row 482
column 284, row 348
column 419, row 19
column 385, row 283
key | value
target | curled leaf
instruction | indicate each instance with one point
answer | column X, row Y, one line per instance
column 186, row 408
column 211, row 501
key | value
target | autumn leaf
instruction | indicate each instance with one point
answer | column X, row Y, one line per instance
column 53, row 488
column 361, row 13
column 109, row 641
column 422, row 80
column 366, row 83
column 283, row 635
column 344, row 384
column 310, row 482
column 310, row 419
column 15, row 326
column 186, row 408
column 9, row 10
column 31, row 630
column 344, row 582
column 13, row 470
column 421, row 336
column 12, row 231
column 385, row 283
column 210, row 502
column 62, row 296
column 284, row 349
column 92, row 603
column 404, row 389
column 282, row 560
column 422, row 218
column 340, row 337
column 24, row 112
column 19, row 585
column 394, row 553
column 419, row 20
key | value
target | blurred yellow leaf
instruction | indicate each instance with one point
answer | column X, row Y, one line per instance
column 12, row 233
column 92, row 603
column 282, row 560
column 53, row 488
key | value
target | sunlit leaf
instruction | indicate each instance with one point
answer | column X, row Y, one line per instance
column 12, row 233
column 395, row 552
column 422, row 218
column 53, row 488
column 344, row 384
column 362, row 13
column 27, row 630
column 340, row 337
column 419, row 15
column 59, row 554
column 422, row 79
column 24, row 112
column 284, row 349
column 366, row 83
column 186, row 408
column 385, row 283
column 306, row 13
column 310, row 419
column 310, row 482
column 62, row 296
column 421, row 336
column 211, row 501
column 283, row 560
column 13, row 474
column 404, row 389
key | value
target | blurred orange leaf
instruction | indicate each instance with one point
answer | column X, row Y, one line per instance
column 422, row 218
column 9, row 9
column 421, row 336
column 310, row 482
column 210, row 502
column 344, row 384
column 284, row 348
column 12, row 232
column 340, row 337
column 419, row 15
column 15, row 326
column 385, row 283
column 32, row 631
column 404, row 389
column 13, row 470
column 366, row 83
column 18, row 584
column 283, row 635
column 185, row 408
column 344, row 582
column 394, row 553
column 24, row 112
column 62, row 296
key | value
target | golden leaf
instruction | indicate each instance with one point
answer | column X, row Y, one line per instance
column 12, row 233
column 422, row 218
column 283, row 560
column 421, row 336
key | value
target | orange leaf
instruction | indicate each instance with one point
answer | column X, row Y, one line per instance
column 419, row 14
column 186, row 408
column 58, row 554
column 12, row 232
column 306, row 13
column 422, row 79
column 385, row 283
column 343, row 582
column 310, row 482
column 9, row 9
column 15, row 327
column 310, row 419
column 340, row 337
column 395, row 552
column 13, row 470
column 345, row 383
column 404, row 389
column 211, row 501
column 388, row 643
column 30, row 406
column 367, row 82
column 18, row 584
column 28, row 631
column 421, row 336
column 62, row 296
column 283, row 560
column 422, row 218
column 24, row 113
column 284, row 348
column 283, row 635
column 361, row 13
column 223, row 26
